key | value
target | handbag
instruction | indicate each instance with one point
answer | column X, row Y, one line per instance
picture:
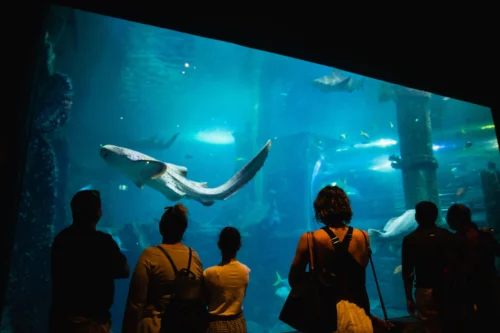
column 311, row 305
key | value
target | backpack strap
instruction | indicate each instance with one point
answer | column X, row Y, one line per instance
column 189, row 260
column 170, row 259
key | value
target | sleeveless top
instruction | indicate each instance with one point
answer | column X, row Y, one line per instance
column 350, row 273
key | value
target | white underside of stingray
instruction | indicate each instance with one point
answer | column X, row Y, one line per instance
column 171, row 180
column 394, row 231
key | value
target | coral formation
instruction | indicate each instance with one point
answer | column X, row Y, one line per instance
column 30, row 271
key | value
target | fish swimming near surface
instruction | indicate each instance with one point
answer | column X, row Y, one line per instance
column 338, row 82
column 171, row 180
column 394, row 231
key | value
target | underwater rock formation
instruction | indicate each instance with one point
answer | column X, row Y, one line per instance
column 30, row 271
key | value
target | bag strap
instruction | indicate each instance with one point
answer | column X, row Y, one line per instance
column 382, row 304
column 337, row 244
column 311, row 247
column 170, row 259
column 189, row 260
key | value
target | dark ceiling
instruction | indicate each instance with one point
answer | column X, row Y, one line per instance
column 453, row 59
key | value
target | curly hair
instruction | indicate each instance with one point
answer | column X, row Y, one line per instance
column 174, row 223
column 332, row 206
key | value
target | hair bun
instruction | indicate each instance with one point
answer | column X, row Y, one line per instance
column 180, row 208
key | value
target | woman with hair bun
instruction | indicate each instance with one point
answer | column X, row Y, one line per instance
column 226, row 286
column 154, row 277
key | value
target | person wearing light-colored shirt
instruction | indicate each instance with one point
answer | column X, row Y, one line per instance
column 226, row 286
column 152, row 285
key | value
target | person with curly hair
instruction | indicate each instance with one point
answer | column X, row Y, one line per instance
column 343, row 252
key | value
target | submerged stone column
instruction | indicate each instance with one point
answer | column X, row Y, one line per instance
column 490, row 182
column 417, row 161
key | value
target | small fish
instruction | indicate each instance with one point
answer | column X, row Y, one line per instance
column 463, row 131
column 343, row 136
column 468, row 144
column 398, row 269
column 445, row 98
column 188, row 156
column 86, row 188
column 457, row 172
column 122, row 187
column 365, row 135
column 241, row 159
column 392, row 126
column 461, row 191
column 279, row 280
column 284, row 291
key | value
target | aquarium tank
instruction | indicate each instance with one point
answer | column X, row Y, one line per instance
column 209, row 108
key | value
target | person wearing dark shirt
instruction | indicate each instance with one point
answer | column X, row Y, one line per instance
column 84, row 264
column 424, row 260
column 475, row 251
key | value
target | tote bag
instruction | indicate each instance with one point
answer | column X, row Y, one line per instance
column 311, row 306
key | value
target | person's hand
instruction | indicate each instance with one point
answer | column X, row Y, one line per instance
column 411, row 307
column 380, row 325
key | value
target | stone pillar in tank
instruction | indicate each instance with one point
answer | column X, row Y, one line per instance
column 490, row 182
column 417, row 161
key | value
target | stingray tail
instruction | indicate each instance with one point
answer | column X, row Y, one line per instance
column 246, row 174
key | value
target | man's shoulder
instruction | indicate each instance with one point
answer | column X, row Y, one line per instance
column 103, row 235
column 244, row 267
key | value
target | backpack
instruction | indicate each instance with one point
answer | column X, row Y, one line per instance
column 185, row 312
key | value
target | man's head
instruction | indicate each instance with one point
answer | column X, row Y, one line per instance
column 458, row 215
column 426, row 213
column 86, row 207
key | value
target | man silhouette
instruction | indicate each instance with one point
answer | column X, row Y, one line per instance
column 84, row 264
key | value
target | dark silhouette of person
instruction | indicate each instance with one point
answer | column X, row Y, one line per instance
column 424, row 259
column 84, row 264
column 475, row 251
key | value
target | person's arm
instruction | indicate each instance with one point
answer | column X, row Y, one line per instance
column 299, row 262
column 206, row 290
column 119, row 264
column 408, row 273
column 493, row 242
column 497, row 248
column 137, row 294
column 56, row 262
